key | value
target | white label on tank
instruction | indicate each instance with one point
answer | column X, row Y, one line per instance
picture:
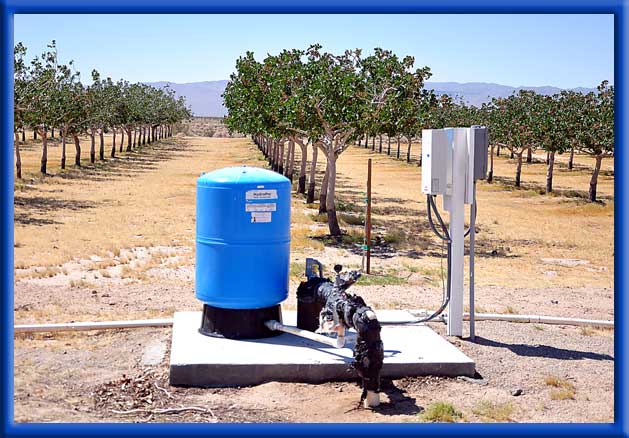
column 260, row 217
column 261, row 194
column 260, row 207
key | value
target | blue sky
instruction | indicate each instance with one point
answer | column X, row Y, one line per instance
column 534, row 50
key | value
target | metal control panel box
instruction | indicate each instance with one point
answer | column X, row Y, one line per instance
column 480, row 142
column 436, row 158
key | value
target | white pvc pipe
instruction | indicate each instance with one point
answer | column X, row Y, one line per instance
column 92, row 325
column 167, row 322
column 274, row 325
column 540, row 319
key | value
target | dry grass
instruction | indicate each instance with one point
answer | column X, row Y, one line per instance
column 81, row 284
column 494, row 411
column 517, row 227
column 563, row 389
column 120, row 204
column 45, row 272
column 596, row 331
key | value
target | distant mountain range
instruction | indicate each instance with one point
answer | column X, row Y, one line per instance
column 477, row 93
column 205, row 97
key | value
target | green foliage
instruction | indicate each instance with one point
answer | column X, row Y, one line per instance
column 389, row 278
column 441, row 412
column 326, row 99
column 50, row 94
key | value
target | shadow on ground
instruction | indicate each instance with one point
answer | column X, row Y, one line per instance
column 399, row 403
column 545, row 351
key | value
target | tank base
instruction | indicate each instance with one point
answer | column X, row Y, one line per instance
column 239, row 323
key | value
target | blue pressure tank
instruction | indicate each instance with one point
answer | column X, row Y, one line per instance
column 242, row 239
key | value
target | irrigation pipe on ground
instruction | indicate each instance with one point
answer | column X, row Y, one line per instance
column 167, row 322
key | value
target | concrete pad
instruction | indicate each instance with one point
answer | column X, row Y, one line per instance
column 409, row 350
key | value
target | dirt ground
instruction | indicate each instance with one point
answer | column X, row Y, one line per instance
column 116, row 241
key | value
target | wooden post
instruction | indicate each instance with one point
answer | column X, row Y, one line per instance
column 368, row 218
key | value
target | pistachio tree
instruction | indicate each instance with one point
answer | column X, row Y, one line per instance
column 20, row 75
column 40, row 95
column 344, row 90
column 511, row 120
column 595, row 130
column 551, row 130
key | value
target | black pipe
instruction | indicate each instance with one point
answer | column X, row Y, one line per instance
column 335, row 308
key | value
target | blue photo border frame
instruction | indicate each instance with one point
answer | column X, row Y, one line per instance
column 620, row 428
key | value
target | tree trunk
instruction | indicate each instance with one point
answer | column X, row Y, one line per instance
column 529, row 155
column 129, row 139
column 280, row 158
column 301, row 186
column 333, row 223
column 380, row 145
column 63, row 148
column 77, row 146
column 373, row 143
column 121, row 139
column 408, row 151
column 113, row 148
column 389, row 146
column 366, row 141
column 271, row 146
column 490, row 176
column 360, row 141
column 52, row 132
column 398, row 147
column 134, row 135
column 549, row 172
column 594, row 180
column 291, row 160
column 23, row 135
column 18, row 160
column 498, row 151
column 92, row 146
column 518, row 169
column 101, row 149
column 44, row 153
column 323, row 193
column 144, row 135
column 547, row 157
column 34, row 133
column 512, row 154
column 571, row 159
column 313, row 171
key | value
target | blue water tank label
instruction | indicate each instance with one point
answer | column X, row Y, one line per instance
column 260, row 207
column 253, row 195
column 259, row 217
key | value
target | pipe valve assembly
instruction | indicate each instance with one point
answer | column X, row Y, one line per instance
column 326, row 307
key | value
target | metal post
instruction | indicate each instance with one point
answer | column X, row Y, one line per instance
column 368, row 218
column 454, row 203
column 472, row 235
